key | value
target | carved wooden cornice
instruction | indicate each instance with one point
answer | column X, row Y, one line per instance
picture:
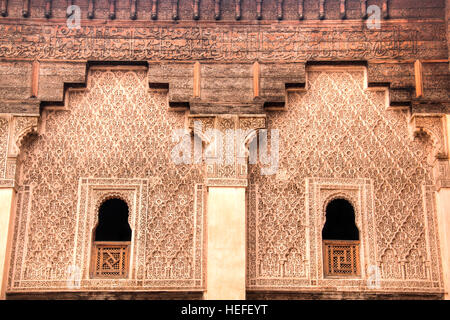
column 4, row 8
column 385, row 9
column 278, row 8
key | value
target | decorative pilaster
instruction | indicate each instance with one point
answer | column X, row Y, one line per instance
column 225, row 138
column 13, row 130
column 442, row 175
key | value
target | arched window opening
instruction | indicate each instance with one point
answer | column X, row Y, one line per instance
column 112, row 239
column 113, row 221
column 340, row 237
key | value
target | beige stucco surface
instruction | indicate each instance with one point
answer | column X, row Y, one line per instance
column 6, row 199
column 443, row 211
column 226, row 244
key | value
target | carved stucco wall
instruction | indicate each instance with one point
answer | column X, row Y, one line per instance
column 113, row 139
column 339, row 140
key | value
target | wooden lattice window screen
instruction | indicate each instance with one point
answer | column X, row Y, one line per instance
column 341, row 258
column 110, row 259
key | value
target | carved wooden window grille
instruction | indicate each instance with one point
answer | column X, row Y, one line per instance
column 112, row 239
column 341, row 257
column 110, row 259
column 340, row 240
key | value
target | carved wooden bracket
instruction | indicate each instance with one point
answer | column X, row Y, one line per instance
column 4, row 8
column 133, row 9
column 217, row 9
column 364, row 9
column 35, row 70
column 91, row 9
column 301, row 9
column 112, row 9
column 154, row 9
column 280, row 9
column 343, row 9
column 385, row 9
column 48, row 9
column 175, row 5
column 259, row 9
column 238, row 9
column 226, row 138
column 321, row 9
column 26, row 8
column 196, row 9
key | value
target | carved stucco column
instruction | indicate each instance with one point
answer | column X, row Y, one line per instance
column 226, row 177
column 13, row 130
column 437, row 128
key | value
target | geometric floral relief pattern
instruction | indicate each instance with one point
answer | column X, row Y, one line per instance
column 111, row 140
column 4, row 134
column 340, row 130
